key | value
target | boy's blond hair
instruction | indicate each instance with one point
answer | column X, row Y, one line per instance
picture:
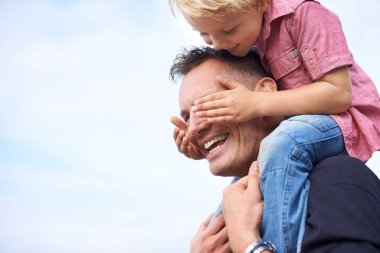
column 213, row 8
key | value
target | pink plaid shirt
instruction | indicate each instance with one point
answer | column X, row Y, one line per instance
column 300, row 42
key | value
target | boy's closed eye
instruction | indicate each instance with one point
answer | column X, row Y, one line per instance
column 229, row 30
column 203, row 34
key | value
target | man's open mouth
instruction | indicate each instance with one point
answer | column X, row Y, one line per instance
column 215, row 143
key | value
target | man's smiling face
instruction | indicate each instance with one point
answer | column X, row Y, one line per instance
column 229, row 148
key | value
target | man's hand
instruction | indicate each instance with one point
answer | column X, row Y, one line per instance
column 211, row 239
column 236, row 104
column 243, row 210
column 183, row 144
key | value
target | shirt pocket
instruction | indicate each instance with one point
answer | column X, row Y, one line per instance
column 284, row 69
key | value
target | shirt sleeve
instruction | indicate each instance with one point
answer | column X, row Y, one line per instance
column 319, row 37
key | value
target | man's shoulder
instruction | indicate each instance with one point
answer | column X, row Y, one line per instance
column 341, row 170
column 343, row 207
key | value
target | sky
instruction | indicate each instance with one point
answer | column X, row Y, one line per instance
column 87, row 159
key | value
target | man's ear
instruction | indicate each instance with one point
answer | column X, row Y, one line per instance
column 266, row 84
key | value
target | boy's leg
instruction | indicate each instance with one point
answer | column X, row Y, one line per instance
column 286, row 157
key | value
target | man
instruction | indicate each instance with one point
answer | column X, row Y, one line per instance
column 230, row 148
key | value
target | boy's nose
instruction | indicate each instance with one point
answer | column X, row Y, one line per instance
column 217, row 43
column 207, row 39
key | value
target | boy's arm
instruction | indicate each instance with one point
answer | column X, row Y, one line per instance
column 328, row 95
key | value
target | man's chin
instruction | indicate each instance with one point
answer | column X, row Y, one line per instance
column 218, row 172
column 222, row 172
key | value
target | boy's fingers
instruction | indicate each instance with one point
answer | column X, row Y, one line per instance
column 216, row 112
column 194, row 152
column 184, row 147
column 184, row 144
column 227, row 83
column 179, row 139
column 180, row 143
column 211, row 105
column 220, row 119
column 209, row 98
column 178, row 122
column 176, row 133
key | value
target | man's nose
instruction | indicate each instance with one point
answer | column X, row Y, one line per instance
column 196, row 126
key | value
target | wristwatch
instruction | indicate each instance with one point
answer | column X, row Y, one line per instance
column 260, row 246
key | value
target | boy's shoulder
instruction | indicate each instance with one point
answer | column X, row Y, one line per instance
column 281, row 8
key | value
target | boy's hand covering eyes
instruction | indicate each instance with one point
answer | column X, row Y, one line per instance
column 183, row 143
column 236, row 104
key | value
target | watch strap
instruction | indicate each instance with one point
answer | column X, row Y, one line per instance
column 260, row 246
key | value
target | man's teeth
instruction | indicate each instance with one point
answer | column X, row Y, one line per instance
column 216, row 139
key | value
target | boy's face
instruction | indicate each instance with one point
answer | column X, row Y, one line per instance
column 236, row 33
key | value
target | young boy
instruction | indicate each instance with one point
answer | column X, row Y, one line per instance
column 302, row 44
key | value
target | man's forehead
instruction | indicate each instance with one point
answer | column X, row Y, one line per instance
column 201, row 80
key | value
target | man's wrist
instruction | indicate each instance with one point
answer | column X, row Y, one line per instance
column 260, row 246
column 240, row 241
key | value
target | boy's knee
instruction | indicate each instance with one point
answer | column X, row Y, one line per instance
column 274, row 152
column 275, row 142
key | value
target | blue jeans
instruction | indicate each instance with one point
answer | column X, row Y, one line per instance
column 286, row 157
